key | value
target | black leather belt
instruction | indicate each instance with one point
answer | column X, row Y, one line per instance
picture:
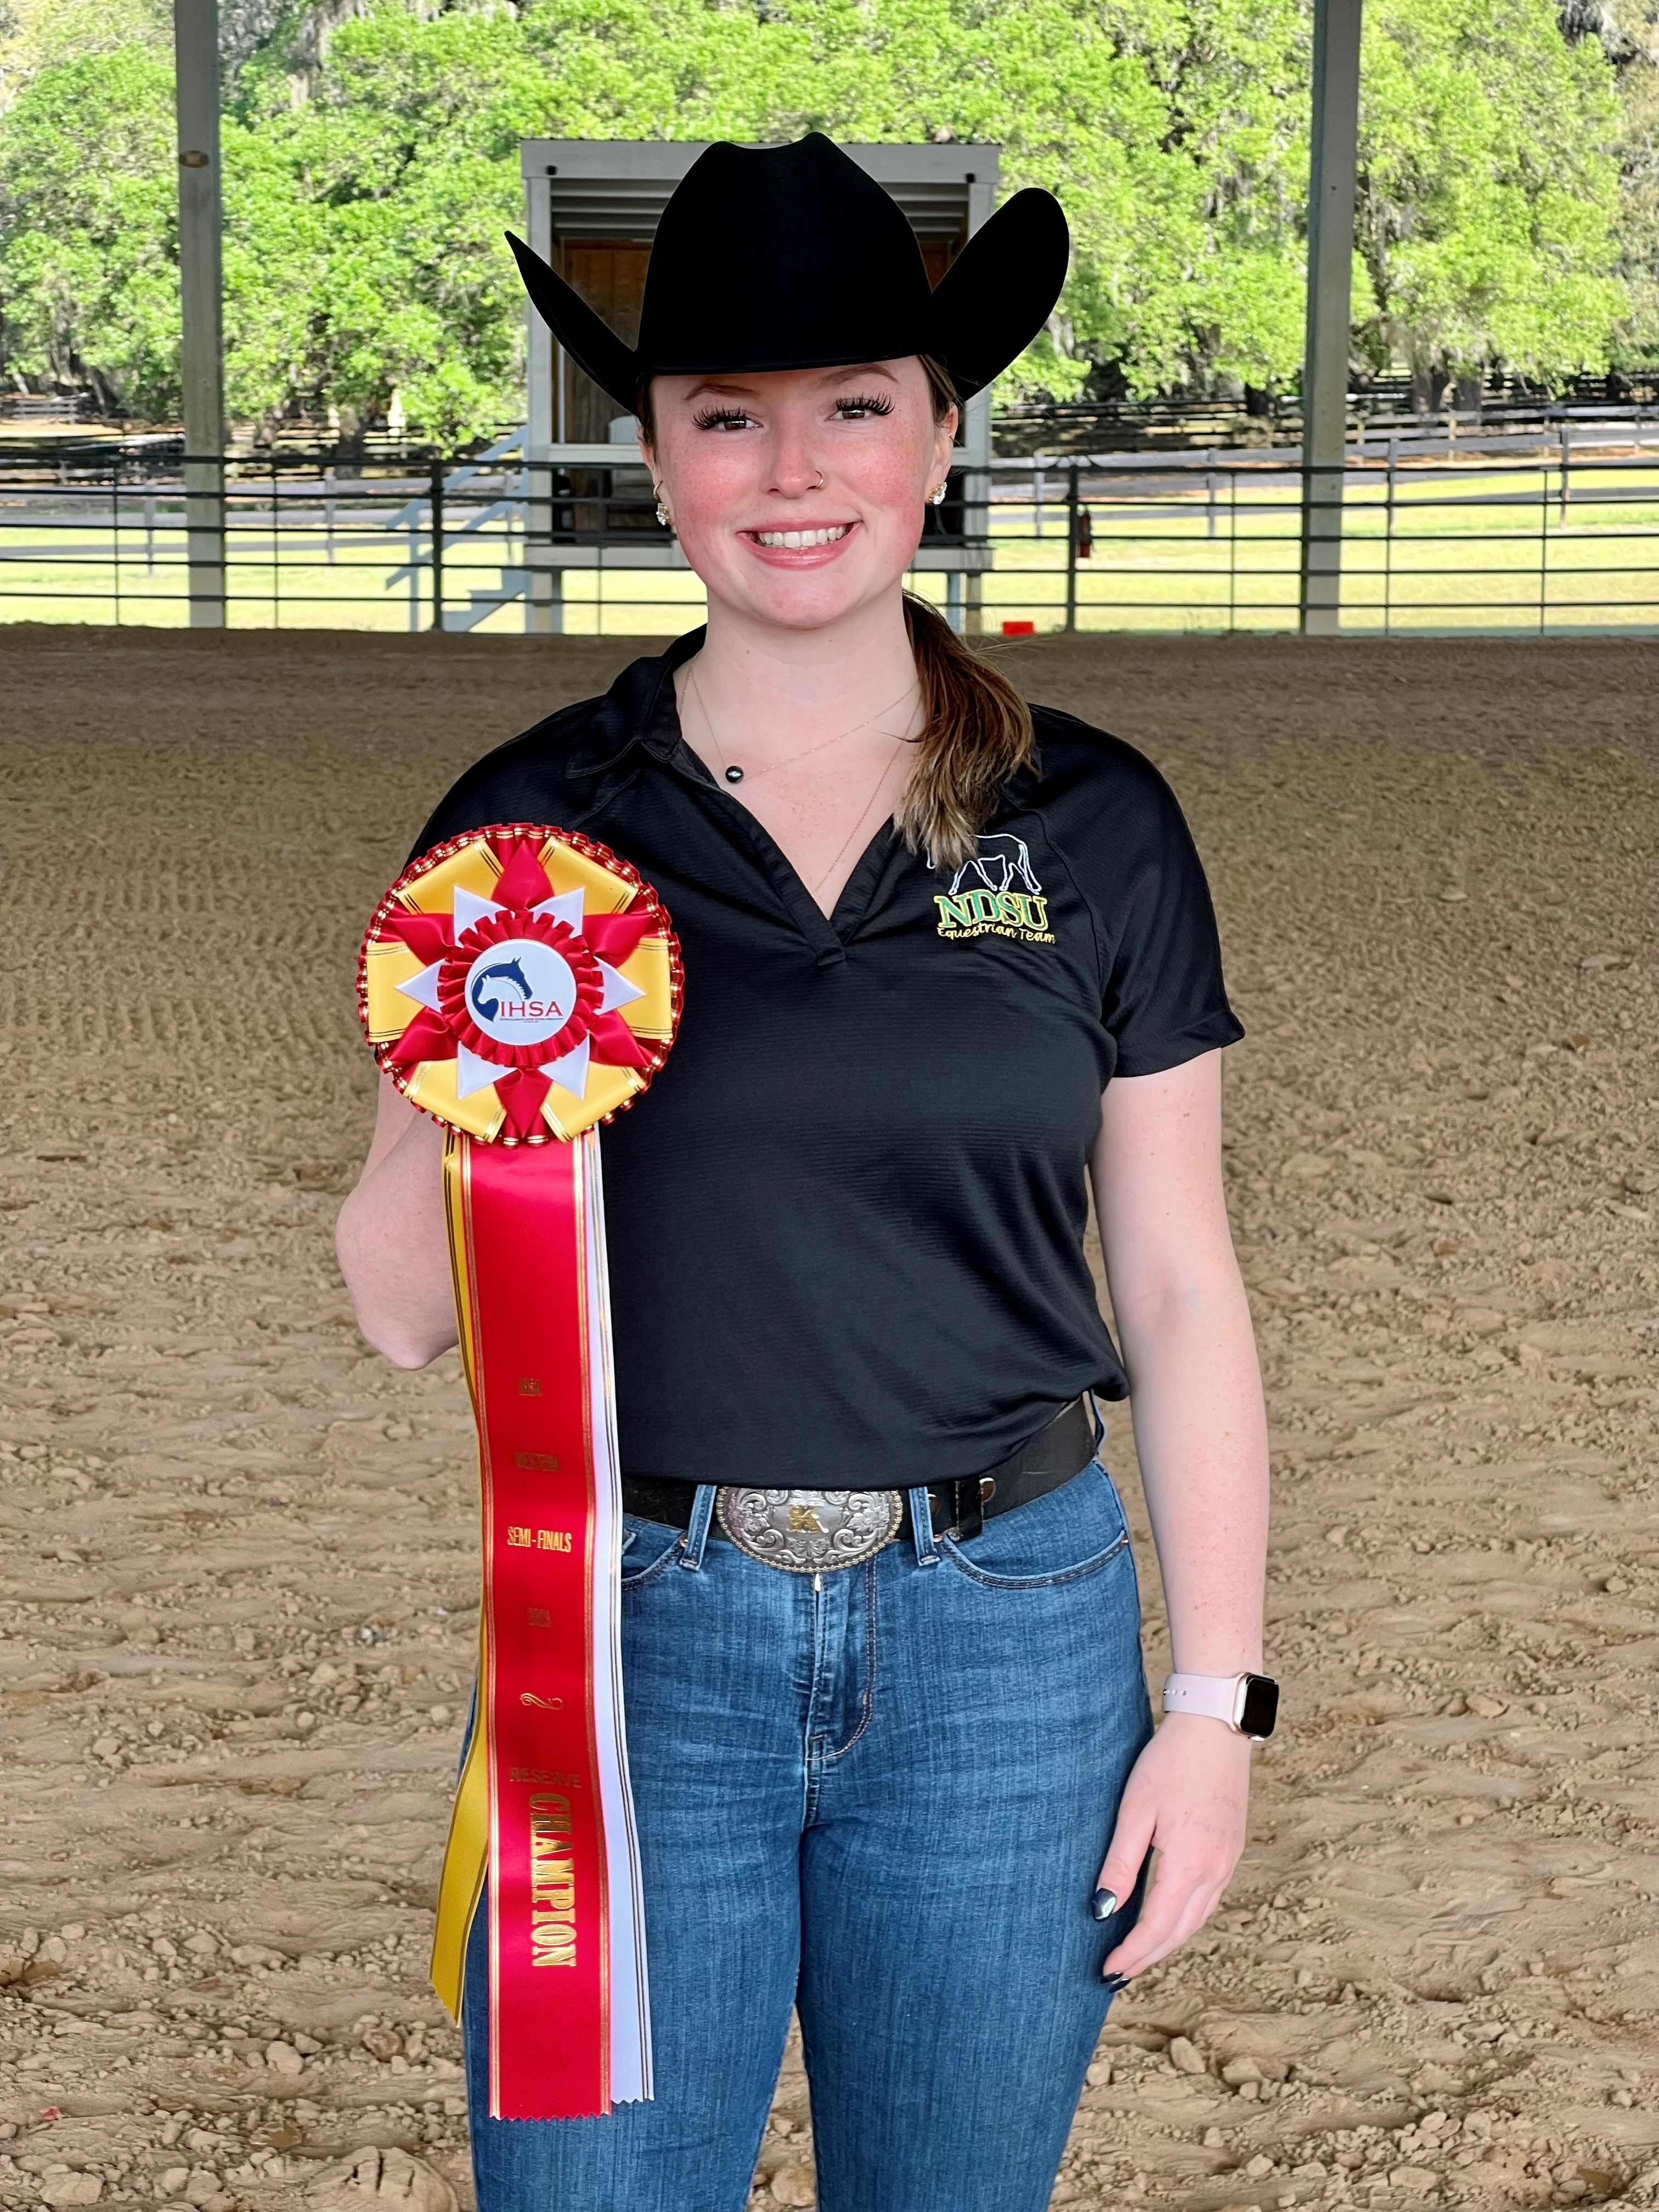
column 1056, row 1455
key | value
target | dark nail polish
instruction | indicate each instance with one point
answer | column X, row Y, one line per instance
column 1115, row 1983
column 1103, row 1904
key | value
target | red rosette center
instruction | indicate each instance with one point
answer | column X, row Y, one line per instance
column 520, row 989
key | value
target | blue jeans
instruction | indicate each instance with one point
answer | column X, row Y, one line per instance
column 881, row 1796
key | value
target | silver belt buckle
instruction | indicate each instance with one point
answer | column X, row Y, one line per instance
column 806, row 1531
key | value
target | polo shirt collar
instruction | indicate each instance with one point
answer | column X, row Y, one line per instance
column 640, row 711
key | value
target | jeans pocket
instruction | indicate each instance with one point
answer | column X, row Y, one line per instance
column 1074, row 1531
column 647, row 1548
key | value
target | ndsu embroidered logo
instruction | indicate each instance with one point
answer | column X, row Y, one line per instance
column 997, row 893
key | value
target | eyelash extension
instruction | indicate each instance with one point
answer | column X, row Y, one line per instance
column 735, row 418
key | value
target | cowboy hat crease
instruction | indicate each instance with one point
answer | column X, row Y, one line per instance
column 791, row 256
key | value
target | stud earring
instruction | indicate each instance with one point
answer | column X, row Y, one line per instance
column 662, row 515
column 936, row 498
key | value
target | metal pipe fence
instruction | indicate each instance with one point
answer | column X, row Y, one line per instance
column 1558, row 538
column 95, row 534
column 1542, row 540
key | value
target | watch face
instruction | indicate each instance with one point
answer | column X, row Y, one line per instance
column 1261, row 1707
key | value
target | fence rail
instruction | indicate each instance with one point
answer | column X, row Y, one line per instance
column 1562, row 536
column 1374, row 409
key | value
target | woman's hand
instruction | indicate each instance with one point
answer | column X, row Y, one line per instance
column 1186, row 1797
column 1201, row 1439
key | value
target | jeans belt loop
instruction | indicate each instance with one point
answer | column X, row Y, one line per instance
column 697, row 1533
column 922, row 1527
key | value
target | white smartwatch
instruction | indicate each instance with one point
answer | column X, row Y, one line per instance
column 1247, row 1704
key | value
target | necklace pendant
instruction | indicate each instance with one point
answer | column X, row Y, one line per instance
column 735, row 774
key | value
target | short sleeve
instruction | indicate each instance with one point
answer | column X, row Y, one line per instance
column 517, row 782
column 526, row 780
column 1162, row 1000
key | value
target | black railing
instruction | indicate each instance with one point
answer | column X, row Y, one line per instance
column 1500, row 535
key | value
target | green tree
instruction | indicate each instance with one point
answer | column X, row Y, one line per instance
column 364, row 248
column 36, row 34
column 1489, row 202
column 1629, row 32
column 370, row 171
column 89, row 261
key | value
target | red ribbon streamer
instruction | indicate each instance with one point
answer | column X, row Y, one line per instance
column 543, row 1816
column 533, row 1339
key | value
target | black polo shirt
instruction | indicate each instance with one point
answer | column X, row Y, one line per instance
column 846, row 1223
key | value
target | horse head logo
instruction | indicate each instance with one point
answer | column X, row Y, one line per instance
column 487, row 1005
column 1001, row 863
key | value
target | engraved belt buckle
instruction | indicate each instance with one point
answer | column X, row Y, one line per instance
column 806, row 1531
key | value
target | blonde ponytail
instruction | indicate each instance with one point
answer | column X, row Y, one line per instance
column 976, row 732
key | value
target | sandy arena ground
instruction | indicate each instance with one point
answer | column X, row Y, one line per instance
column 238, row 1593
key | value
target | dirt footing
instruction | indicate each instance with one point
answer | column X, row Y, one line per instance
column 237, row 1589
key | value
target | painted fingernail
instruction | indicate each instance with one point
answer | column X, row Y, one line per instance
column 1115, row 1982
column 1103, row 1904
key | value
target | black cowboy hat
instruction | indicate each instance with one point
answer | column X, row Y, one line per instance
column 791, row 257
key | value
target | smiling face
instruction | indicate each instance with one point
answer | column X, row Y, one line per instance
column 798, row 495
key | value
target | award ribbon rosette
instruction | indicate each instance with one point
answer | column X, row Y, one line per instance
column 522, row 985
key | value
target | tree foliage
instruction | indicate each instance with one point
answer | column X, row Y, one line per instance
column 1629, row 30
column 88, row 253
column 1489, row 206
column 368, row 176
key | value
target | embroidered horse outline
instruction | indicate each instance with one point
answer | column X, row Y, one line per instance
column 1001, row 862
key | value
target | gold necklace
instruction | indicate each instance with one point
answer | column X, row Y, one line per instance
column 853, row 831
column 731, row 771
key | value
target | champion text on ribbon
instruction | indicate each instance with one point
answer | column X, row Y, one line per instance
column 522, row 984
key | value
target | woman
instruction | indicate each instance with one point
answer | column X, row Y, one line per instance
column 944, row 955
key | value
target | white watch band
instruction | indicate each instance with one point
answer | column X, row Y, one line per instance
column 1216, row 1697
